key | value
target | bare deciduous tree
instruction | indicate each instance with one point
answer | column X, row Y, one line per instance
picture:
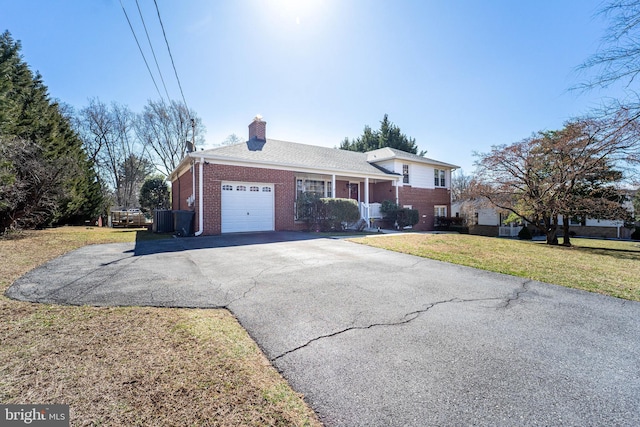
column 460, row 185
column 567, row 172
column 166, row 130
column 618, row 59
column 110, row 141
column 232, row 140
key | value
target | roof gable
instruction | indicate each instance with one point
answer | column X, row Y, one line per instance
column 388, row 153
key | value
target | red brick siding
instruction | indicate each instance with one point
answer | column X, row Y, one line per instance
column 424, row 200
column 258, row 129
column 342, row 191
column 180, row 190
column 421, row 199
column 213, row 175
column 382, row 191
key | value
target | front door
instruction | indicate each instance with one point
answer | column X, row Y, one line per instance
column 354, row 191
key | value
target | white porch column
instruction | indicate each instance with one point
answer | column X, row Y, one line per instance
column 333, row 186
column 366, row 199
column 397, row 197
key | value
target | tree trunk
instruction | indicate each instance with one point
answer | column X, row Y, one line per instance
column 565, row 230
column 551, row 230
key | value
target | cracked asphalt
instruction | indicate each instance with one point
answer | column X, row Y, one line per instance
column 376, row 338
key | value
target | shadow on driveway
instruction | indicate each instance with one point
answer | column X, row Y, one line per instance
column 166, row 243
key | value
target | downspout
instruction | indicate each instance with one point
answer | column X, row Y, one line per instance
column 193, row 180
column 200, row 207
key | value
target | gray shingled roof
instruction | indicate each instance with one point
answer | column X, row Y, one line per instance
column 387, row 153
column 292, row 154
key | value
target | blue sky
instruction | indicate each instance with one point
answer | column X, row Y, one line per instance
column 458, row 76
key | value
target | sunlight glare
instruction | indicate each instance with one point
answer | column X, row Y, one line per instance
column 298, row 11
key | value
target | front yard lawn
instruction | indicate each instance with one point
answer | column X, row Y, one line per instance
column 132, row 366
column 603, row 266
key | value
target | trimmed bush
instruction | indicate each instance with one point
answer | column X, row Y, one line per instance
column 402, row 216
column 307, row 209
column 407, row 217
column 449, row 223
column 325, row 214
column 335, row 212
column 525, row 234
column 389, row 208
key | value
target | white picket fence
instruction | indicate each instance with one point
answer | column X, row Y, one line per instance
column 509, row 231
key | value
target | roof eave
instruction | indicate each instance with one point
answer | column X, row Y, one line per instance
column 235, row 161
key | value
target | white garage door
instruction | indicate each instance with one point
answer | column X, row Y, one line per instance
column 247, row 206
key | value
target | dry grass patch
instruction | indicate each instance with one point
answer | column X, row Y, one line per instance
column 606, row 267
column 132, row 365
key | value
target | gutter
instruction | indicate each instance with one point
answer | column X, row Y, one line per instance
column 200, row 207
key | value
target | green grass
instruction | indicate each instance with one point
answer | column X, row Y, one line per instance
column 603, row 266
column 132, row 365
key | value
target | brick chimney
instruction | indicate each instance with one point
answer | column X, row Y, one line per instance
column 258, row 129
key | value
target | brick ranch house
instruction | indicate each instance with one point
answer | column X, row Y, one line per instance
column 252, row 186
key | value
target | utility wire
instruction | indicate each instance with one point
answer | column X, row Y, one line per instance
column 153, row 51
column 171, row 56
column 141, row 52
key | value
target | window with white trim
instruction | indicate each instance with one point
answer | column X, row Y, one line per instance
column 311, row 184
column 266, row 189
column 227, row 187
column 439, row 178
column 315, row 186
column 241, row 188
column 440, row 211
column 254, row 188
column 405, row 174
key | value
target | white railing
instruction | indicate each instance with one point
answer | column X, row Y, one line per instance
column 370, row 211
column 364, row 210
column 374, row 210
column 509, row 231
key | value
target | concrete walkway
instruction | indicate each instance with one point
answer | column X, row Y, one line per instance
column 376, row 338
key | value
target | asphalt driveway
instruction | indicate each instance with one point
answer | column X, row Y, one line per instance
column 376, row 338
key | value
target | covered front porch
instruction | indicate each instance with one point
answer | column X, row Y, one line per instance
column 368, row 191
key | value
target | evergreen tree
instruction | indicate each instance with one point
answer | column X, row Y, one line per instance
column 31, row 121
column 154, row 194
column 389, row 135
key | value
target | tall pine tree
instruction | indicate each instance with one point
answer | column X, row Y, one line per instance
column 389, row 135
column 45, row 175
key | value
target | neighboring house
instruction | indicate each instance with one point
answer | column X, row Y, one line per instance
column 489, row 221
column 253, row 186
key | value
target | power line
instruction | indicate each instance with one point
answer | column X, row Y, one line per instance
column 141, row 52
column 153, row 51
column 170, row 56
